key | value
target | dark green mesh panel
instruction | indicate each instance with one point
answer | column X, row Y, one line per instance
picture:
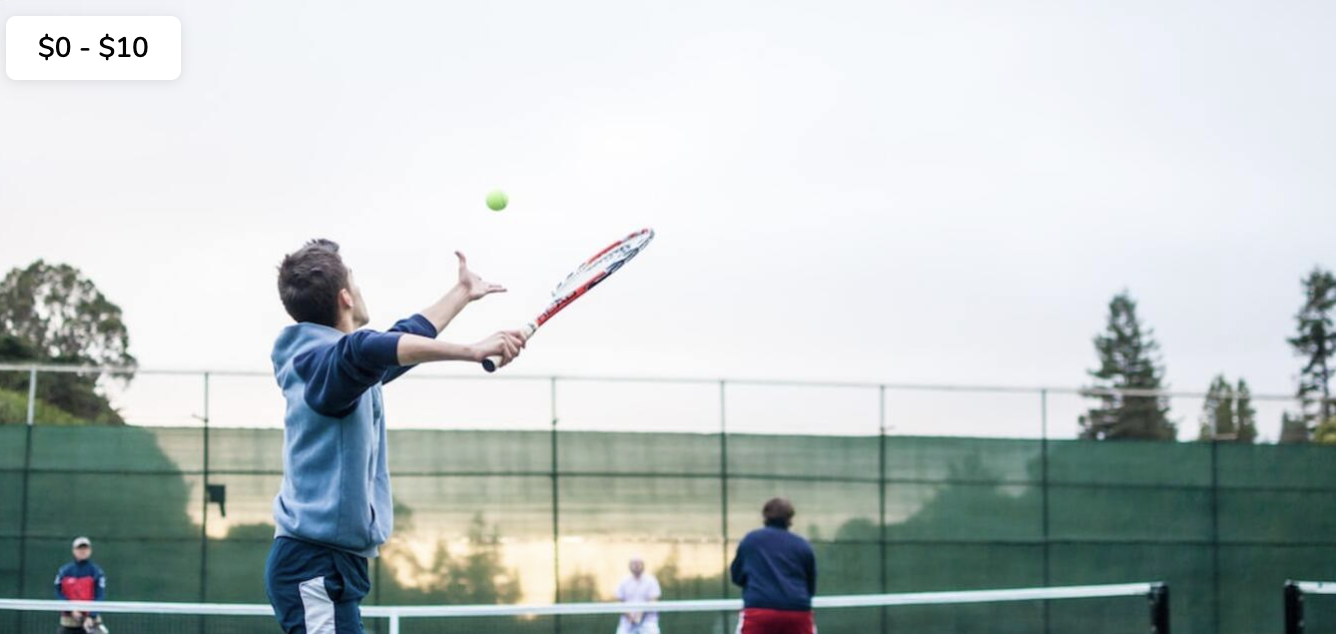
column 640, row 508
column 246, row 451
column 9, row 566
column 847, row 568
column 845, row 457
column 828, row 511
column 114, row 450
column 917, row 459
column 123, row 506
column 11, row 482
column 236, row 567
column 1276, row 516
column 1107, row 513
column 1281, row 466
column 466, row 451
column 1129, row 462
column 1247, row 568
column 1319, row 614
column 1276, row 523
column 936, row 567
column 950, row 512
column 636, row 453
column 11, row 447
column 1186, row 568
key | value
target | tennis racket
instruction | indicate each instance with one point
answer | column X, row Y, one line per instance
column 587, row 276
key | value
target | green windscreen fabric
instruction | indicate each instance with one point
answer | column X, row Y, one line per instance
column 1122, row 510
column 128, row 488
column 534, row 516
column 1276, row 523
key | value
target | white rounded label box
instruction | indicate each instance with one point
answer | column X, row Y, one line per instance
column 92, row 47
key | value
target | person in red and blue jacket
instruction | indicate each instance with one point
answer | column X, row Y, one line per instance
column 80, row 580
column 777, row 572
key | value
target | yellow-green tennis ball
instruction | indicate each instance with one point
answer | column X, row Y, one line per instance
column 496, row 201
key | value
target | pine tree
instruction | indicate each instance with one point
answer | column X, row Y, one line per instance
column 1127, row 360
column 1325, row 434
column 1316, row 342
column 1217, row 412
column 1228, row 414
column 1245, row 415
column 1292, row 428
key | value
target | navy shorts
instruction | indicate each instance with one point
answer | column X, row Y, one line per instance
column 315, row 589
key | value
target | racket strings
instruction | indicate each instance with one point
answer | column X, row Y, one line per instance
column 602, row 265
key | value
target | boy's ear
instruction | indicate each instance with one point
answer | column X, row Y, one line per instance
column 345, row 298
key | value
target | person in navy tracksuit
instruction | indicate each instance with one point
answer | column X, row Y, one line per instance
column 80, row 580
column 334, row 507
column 777, row 573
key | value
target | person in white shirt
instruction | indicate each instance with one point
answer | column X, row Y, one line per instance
column 638, row 587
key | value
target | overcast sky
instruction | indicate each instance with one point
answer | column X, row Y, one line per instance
column 882, row 191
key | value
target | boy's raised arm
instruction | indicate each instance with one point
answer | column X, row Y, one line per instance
column 469, row 288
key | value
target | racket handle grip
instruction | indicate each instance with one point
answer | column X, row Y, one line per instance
column 490, row 364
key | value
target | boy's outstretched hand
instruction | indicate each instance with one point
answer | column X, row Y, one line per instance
column 505, row 344
column 470, row 287
column 475, row 286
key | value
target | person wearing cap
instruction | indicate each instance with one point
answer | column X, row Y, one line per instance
column 777, row 573
column 638, row 587
column 80, row 580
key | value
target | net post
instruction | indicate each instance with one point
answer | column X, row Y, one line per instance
column 394, row 623
column 556, row 508
column 881, row 500
column 204, row 517
column 723, row 490
column 1294, row 608
column 1159, row 608
column 32, row 394
column 1043, row 500
column 1215, row 530
column 27, row 472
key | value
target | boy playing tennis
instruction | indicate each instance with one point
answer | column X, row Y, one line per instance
column 335, row 508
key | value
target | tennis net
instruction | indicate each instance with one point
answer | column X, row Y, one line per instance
column 1097, row 608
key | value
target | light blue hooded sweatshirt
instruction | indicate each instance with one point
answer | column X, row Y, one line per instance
column 336, row 477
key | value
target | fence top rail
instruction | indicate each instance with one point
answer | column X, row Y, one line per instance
column 1315, row 587
column 1091, row 392
column 560, row 609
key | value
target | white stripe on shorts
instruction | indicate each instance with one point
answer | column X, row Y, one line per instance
column 318, row 607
